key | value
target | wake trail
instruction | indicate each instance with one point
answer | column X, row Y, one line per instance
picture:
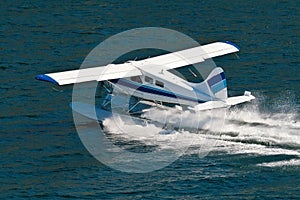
column 248, row 131
column 244, row 130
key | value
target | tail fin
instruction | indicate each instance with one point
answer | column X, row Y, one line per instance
column 216, row 81
column 214, row 87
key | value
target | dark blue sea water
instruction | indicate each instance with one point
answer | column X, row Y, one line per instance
column 257, row 154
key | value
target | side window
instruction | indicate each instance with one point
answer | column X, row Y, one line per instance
column 136, row 79
column 159, row 83
column 148, row 79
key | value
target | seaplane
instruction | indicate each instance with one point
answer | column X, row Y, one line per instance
column 165, row 81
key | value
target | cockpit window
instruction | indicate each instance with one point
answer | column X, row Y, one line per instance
column 136, row 79
column 159, row 83
column 148, row 79
column 189, row 73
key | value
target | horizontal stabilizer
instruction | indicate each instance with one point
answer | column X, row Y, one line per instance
column 223, row 104
column 91, row 74
column 208, row 106
column 240, row 99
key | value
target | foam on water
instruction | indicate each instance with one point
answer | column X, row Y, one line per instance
column 150, row 134
column 292, row 162
column 244, row 130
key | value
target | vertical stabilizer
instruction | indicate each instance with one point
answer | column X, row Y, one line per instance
column 216, row 81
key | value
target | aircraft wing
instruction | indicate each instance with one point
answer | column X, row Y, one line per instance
column 91, row 74
column 193, row 55
column 134, row 68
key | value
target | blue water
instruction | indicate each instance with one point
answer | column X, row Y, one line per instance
column 258, row 155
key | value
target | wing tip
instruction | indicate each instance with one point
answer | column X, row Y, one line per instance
column 233, row 44
column 44, row 77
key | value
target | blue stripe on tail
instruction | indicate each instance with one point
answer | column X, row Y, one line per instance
column 219, row 86
column 216, row 82
column 216, row 79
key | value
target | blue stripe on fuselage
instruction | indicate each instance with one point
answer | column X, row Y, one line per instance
column 153, row 90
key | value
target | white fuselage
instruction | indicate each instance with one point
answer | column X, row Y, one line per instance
column 158, row 84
